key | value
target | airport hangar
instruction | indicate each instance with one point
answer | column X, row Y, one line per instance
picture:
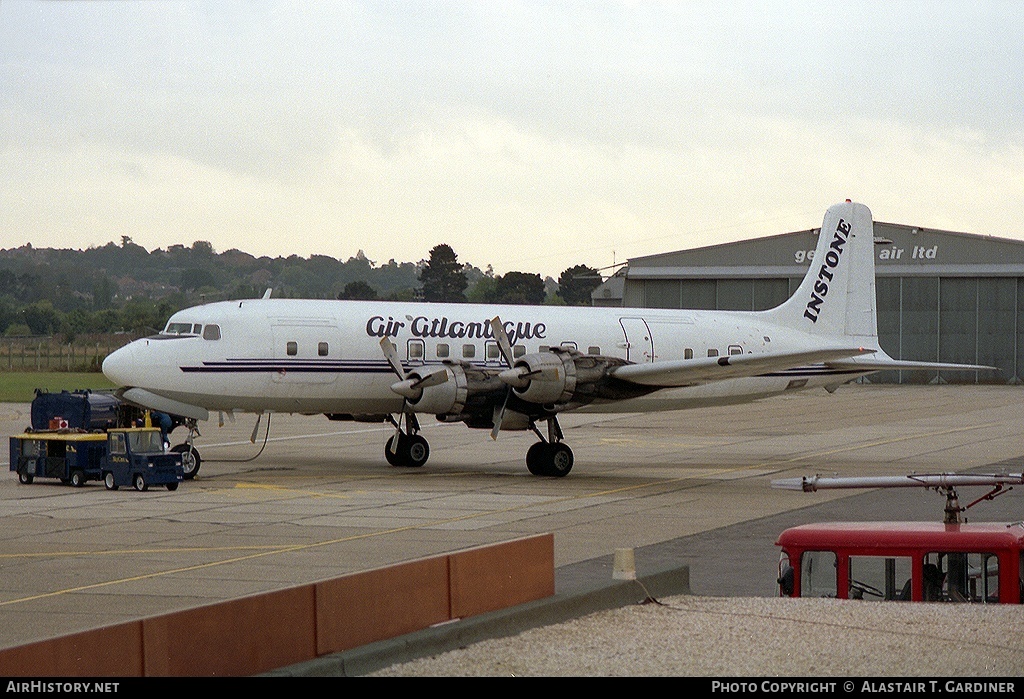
column 942, row 296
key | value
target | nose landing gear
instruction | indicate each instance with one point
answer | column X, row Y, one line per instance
column 190, row 459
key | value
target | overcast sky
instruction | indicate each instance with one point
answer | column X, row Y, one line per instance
column 527, row 135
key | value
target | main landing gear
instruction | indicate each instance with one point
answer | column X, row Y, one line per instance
column 406, row 447
column 548, row 457
column 551, row 456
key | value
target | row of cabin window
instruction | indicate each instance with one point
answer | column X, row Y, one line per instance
column 416, row 349
column 292, row 348
column 712, row 352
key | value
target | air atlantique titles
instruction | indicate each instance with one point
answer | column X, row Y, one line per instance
column 835, row 251
column 421, row 326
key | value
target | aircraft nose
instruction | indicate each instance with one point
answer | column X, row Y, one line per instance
column 119, row 366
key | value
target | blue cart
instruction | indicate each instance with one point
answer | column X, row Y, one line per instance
column 130, row 456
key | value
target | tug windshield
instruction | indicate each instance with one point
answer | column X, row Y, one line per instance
column 148, row 442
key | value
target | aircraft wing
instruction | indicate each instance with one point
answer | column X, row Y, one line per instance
column 688, row 372
column 880, row 361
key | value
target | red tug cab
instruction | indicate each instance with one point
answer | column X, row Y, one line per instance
column 951, row 561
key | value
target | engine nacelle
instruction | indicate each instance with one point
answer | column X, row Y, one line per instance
column 445, row 397
column 544, row 378
column 466, row 384
column 562, row 378
column 555, row 380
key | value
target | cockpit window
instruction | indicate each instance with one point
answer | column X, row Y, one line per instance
column 212, row 332
column 183, row 329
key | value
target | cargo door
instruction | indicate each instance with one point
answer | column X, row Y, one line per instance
column 639, row 341
column 303, row 351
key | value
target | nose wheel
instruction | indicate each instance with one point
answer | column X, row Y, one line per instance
column 190, row 459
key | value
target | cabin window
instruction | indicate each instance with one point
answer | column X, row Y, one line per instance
column 518, row 350
column 322, row 349
column 961, row 577
column 879, row 578
column 735, row 349
column 818, row 574
column 491, row 351
column 443, row 350
column 568, row 345
column 687, row 353
column 211, row 332
column 544, row 348
column 468, row 351
column 292, row 348
column 593, row 350
column 712, row 353
column 416, row 349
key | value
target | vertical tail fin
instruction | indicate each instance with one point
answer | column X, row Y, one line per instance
column 837, row 296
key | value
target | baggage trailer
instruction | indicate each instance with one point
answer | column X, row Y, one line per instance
column 124, row 456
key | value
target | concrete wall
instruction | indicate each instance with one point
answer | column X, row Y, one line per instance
column 261, row 633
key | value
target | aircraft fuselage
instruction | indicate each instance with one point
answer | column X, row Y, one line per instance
column 310, row 357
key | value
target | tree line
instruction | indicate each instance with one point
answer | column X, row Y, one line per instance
column 126, row 289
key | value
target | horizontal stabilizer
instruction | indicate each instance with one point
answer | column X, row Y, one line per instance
column 146, row 399
column 689, row 372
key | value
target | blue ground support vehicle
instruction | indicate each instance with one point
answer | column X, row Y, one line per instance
column 98, row 411
column 124, row 456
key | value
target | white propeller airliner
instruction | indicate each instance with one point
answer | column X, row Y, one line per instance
column 511, row 367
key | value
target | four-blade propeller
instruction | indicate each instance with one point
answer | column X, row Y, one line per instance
column 514, row 377
column 410, row 386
